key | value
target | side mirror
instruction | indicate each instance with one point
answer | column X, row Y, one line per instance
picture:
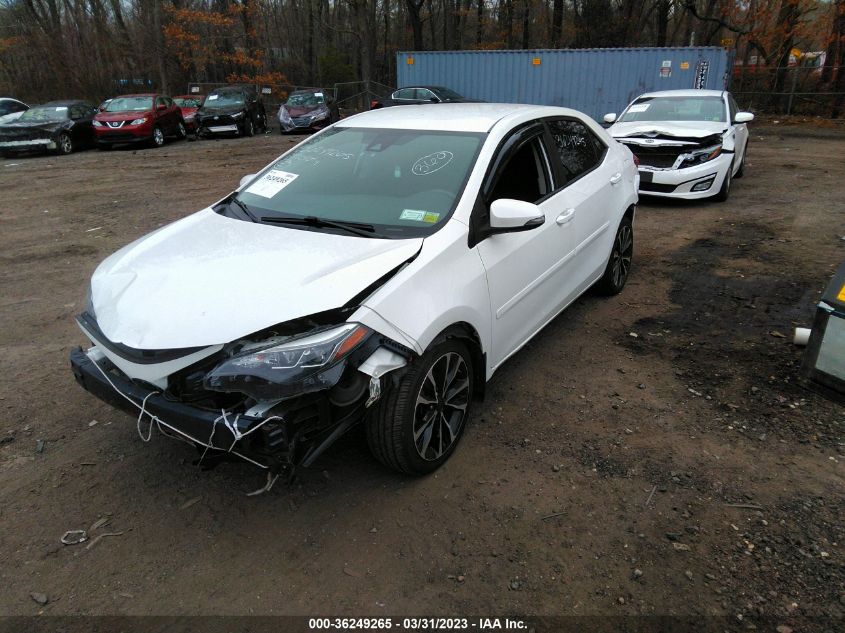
column 743, row 117
column 507, row 215
column 434, row 100
column 610, row 117
column 245, row 180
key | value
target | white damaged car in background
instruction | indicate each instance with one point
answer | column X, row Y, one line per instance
column 689, row 143
column 379, row 272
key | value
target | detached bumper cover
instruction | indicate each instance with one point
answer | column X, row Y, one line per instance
column 207, row 428
column 29, row 144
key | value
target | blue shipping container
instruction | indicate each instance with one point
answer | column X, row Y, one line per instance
column 594, row 81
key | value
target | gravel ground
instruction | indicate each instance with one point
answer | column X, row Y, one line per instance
column 648, row 454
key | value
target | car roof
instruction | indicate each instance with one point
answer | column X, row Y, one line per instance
column 58, row 104
column 683, row 93
column 138, row 94
column 449, row 117
column 307, row 90
column 193, row 96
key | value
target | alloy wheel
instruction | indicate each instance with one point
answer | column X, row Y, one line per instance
column 623, row 250
column 441, row 406
column 65, row 144
column 158, row 137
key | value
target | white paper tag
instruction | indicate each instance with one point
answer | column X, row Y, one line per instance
column 412, row 214
column 318, row 94
column 639, row 107
column 212, row 97
column 271, row 183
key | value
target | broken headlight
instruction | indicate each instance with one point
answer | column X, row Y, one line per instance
column 690, row 159
column 280, row 368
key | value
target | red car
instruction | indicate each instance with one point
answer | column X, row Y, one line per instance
column 189, row 104
column 138, row 118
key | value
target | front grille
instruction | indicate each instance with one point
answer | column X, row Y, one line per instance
column 302, row 121
column 657, row 156
column 218, row 119
column 657, row 187
column 115, row 124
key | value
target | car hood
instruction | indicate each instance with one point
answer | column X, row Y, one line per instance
column 229, row 109
column 209, row 280
column 680, row 129
column 25, row 128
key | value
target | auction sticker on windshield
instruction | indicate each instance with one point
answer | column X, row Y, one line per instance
column 271, row 183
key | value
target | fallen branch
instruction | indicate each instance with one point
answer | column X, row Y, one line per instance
column 747, row 506
column 647, row 501
column 552, row 516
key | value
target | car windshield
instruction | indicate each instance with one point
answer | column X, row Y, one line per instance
column 45, row 113
column 403, row 182
column 130, row 104
column 306, row 99
column 224, row 99
column 676, row 109
column 187, row 102
column 445, row 93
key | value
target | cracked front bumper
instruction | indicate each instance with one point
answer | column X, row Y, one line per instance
column 199, row 426
column 679, row 183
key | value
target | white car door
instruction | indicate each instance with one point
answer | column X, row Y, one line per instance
column 527, row 272
column 592, row 193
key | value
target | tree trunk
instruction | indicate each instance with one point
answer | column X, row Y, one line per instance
column 557, row 23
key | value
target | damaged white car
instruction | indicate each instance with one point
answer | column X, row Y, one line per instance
column 379, row 272
column 689, row 143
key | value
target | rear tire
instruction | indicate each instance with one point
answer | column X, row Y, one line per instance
column 619, row 264
column 249, row 127
column 417, row 425
column 181, row 132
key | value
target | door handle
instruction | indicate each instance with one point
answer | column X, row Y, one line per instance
column 565, row 217
column 615, row 178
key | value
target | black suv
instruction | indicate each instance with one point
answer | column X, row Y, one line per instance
column 231, row 110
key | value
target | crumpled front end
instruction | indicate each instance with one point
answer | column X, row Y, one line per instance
column 681, row 167
column 20, row 138
column 276, row 399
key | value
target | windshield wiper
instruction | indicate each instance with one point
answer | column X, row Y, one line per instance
column 356, row 228
column 242, row 206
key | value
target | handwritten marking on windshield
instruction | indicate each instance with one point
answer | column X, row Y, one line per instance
column 432, row 163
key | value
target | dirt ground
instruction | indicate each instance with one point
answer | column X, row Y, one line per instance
column 646, row 454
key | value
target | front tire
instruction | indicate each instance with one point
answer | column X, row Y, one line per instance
column 248, row 128
column 64, row 145
column 181, row 132
column 158, row 137
column 417, row 424
column 619, row 265
column 725, row 191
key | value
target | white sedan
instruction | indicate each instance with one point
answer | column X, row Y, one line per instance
column 381, row 271
column 689, row 143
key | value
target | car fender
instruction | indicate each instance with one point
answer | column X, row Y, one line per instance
column 444, row 285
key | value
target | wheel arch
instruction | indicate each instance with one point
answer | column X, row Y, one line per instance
column 465, row 332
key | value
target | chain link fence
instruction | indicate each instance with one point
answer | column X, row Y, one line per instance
column 800, row 90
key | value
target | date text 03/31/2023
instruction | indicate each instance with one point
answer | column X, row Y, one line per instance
column 417, row 624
